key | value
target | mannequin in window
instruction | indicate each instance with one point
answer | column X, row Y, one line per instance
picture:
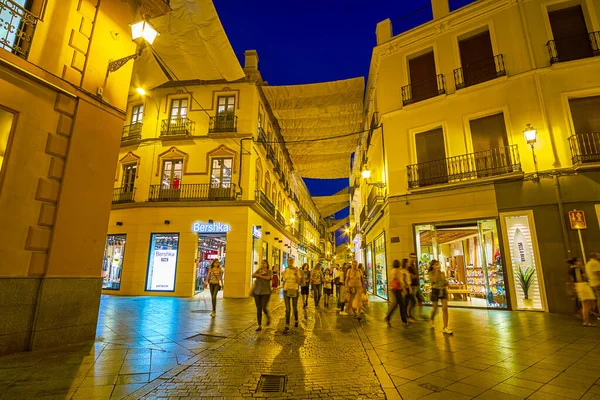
column 176, row 182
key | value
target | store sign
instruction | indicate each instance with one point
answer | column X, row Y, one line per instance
column 256, row 232
column 215, row 227
column 162, row 262
column 577, row 220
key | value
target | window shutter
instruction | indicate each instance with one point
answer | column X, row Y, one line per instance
column 488, row 133
column 586, row 114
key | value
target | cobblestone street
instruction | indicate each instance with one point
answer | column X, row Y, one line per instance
column 171, row 348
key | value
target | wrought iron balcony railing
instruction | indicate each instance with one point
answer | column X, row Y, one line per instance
column 419, row 91
column 192, row 192
column 574, row 47
column 125, row 194
column 262, row 138
column 479, row 71
column 280, row 218
column 132, row 132
column 176, row 127
column 585, row 147
column 363, row 217
column 270, row 153
column 223, row 123
column 412, row 20
column 488, row 163
column 17, row 27
column 264, row 202
column 375, row 198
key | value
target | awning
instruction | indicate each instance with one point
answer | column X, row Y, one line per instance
column 307, row 114
column 328, row 205
column 192, row 43
column 337, row 224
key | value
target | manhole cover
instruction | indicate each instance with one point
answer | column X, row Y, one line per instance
column 431, row 387
column 205, row 338
column 271, row 384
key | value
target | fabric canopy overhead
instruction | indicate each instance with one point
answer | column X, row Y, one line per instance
column 192, row 43
column 328, row 205
column 307, row 114
column 338, row 223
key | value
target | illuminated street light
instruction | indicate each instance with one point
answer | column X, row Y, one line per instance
column 347, row 231
column 530, row 134
column 141, row 91
column 142, row 33
column 292, row 220
column 366, row 173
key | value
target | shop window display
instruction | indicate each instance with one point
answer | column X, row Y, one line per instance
column 470, row 256
column 381, row 287
column 369, row 268
column 210, row 247
column 112, row 265
column 162, row 262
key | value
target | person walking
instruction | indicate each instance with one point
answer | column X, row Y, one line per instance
column 415, row 296
column 584, row 292
column 343, row 290
column 439, row 291
column 262, row 292
column 592, row 271
column 291, row 279
column 214, row 279
column 336, row 280
column 400, row 285
column 354, row 285
column 327, row 286
column 304, row 284
column 275, row 278
column 316, row 280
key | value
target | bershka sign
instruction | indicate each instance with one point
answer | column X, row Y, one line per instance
column 215, row 227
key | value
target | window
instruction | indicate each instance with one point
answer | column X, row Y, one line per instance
column 490, row 145
column 431, row 157
column 571, row 38
column 423, row 78
column 220, row 174
column 6, row 125
column 267, row 184
column 13, row 26
column 260, row 121
column 172, row 173
column 179, row 109
column 477, row 60
column 585, row 143
column 258, row 178
column 136, row 114
column 225, row 105
column 128, row 183
column 112, row 264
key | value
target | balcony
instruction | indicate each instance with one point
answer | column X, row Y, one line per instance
column 264, row 202
column 585, row 147
column 17, row 27
column 124, row 194
column 279, row 218
column 483, row 164
column 176, row 127
column 262, row 138
column 375, row 201
column 271, row 153
column 223, row 123
column 419, row 91
column 192, row 192
column 574, row 47
column 479, row 72
column 132, row 132
column 363, row 218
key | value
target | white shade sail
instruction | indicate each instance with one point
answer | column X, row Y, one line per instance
column 328, row 205
column 337, row 224
column 192, row 43
column 307, row 114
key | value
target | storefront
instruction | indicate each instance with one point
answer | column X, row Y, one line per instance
column 369, row 268
column 470, row 256
column 112, row 263
column 162, row 262
column 376, row 267
column 212, row 244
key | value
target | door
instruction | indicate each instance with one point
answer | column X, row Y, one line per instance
column 128, row 182
column 570, row 33
column 225, row 113
column 178, row 114
column 220, row 177
column 431, row 158
column 423, row 77
column 585, row 144
column 477, row 59
column 171, row 179
column 490, row 145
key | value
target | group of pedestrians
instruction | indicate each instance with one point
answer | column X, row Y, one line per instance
column 586, row 281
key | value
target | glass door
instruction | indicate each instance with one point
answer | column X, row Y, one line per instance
column 493, row 271
column 369, row 268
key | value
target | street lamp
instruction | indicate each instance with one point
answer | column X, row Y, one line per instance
column 142, row 33
column 292, row 220
column 366, row 173
column 530, row 134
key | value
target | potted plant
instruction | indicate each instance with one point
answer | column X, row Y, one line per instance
column 526, row 278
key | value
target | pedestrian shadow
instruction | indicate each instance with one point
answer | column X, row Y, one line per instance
column 288, row 361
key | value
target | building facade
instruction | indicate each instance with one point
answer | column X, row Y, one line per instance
column 204, row 174
column 484, row 137
column 61, row 116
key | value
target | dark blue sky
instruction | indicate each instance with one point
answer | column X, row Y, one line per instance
column 308, row 41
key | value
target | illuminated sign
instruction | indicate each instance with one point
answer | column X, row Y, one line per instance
column 215, row 227
column 162, row 262
column 256, row 232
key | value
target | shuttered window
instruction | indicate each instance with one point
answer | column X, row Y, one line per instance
column 477, row 59
column 490, row 145
column 586, row 114
column 423, row 78
column 570, row 33
column 431, row 157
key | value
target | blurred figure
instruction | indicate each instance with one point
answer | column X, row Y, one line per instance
column 304, row 284
column 354, row 279
column 316, row 281
column 439, row 291
column 262, row 292
column 327, row 286
column 291, row 279
column 415, row 297
column 400, row 285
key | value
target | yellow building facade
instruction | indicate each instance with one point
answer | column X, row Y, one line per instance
column 60, row 128
column 204, row 174
column 484, row 135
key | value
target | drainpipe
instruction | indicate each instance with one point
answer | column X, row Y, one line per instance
column 241, row 192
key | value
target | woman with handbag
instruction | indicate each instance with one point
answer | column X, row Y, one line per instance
column 291, row 279
column 439, row 291
column 327, row 286
column 400, row 283
column 214, row 278
column 354, row 285
column 262, row 292
column 305, row 284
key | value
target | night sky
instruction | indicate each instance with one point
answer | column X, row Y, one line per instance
column 309, row 41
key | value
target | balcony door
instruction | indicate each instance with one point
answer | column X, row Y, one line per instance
column 570, row 33
column 423, row 77
column 178, row 116
column 431, row 158
column 490, row 145
column 225, row 113
column 477, row 59
column 220, row 177
column 136, row 114
column 585, row 143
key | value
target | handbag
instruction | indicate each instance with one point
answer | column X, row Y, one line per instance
column 291, row 293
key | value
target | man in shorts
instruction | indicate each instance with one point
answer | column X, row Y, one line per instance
column 592, row 271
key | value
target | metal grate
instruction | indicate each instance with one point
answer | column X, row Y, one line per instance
column 271, row 384
column 206, row 338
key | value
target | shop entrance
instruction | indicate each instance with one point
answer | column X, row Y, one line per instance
column 469, row 254
column 211, row 246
